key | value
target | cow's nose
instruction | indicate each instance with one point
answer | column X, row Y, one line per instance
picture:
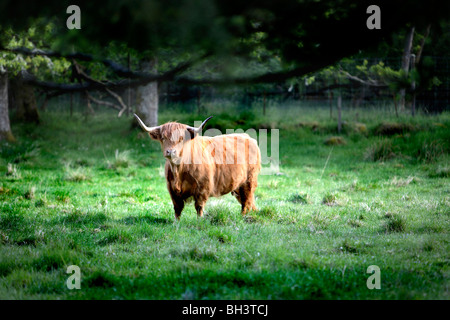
column 170, row 153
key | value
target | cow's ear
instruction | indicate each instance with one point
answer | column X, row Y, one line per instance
column 155, row 134
column 192, row 134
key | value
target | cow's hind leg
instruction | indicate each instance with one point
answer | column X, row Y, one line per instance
column 236, row 194
column 245, row 197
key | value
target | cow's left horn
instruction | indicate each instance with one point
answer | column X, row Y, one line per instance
column 199, row 129
column 143, row 126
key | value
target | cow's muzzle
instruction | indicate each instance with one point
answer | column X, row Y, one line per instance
column 170, row 153
column 172, row 156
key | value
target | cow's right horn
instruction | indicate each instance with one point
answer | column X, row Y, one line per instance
column 199, row 129
column 143, row 126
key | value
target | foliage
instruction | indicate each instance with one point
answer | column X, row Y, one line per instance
column 255, row 41
column 38, row 65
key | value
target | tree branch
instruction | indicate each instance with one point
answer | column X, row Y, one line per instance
column 101, row 102
column 136, row 79
column 370, row 82
column 118, row 69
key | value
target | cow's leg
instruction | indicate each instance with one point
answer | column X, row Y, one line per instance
column 241, row 196
column 253, row 183
column 178, row 203
column 178, row 206
column 246, row 197
column 236, row 194
column 200, row 202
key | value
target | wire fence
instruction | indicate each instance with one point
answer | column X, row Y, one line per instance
column 321, row 92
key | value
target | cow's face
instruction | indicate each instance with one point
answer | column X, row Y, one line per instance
column 172, row 137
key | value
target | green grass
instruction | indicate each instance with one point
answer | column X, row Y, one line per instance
column 91, row 192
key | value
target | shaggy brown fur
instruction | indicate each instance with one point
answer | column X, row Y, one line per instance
column 208, row 166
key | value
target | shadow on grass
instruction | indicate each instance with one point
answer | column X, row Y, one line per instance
column 80, row 217
column 148, row 219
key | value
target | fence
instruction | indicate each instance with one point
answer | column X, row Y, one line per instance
column 320, row 92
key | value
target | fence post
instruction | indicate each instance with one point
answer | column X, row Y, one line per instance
column 413, row 85
column 339, row 105
column 129, row 88
column 331, row 103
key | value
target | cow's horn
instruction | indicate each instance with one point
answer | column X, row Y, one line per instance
column 199, row 129
column 143, row 126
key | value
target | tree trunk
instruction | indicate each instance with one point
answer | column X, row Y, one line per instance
column 395, row 104
column 128, row 91
column 5, row 129
column 24, row 101
column 147, row 96
column 405, row 62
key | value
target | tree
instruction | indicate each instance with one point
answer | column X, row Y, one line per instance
column 147, row 96
column 24, row 100
column 198, row 30
column 406, row 61
column 5, row 129
column 217, row 27
column 12, row 69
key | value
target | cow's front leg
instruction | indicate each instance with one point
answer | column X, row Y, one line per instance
column 178, row 206
column 178, row 203
column 200, row 203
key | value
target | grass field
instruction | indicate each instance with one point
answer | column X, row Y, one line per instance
column 91, row 192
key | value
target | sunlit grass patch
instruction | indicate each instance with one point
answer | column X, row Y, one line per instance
column 77, row 175
column 13, row 172
column 401, row 182
column 121, row 159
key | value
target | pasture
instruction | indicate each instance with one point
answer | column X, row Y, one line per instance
column 91, row 192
